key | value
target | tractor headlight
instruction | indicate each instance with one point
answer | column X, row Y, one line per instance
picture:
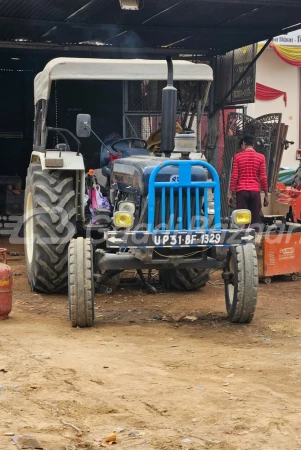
column 241, row 217
column 123, row 219
column 127, row 207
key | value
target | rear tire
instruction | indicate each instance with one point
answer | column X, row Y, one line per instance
column 50, row 219
column 184, row 279
column 241, row 283
column 81, row 283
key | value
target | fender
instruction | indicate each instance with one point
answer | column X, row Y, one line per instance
column 71, row 161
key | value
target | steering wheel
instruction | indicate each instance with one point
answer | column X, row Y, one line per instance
column 130, row 141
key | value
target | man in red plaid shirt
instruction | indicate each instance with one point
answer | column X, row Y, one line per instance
column 248, row 179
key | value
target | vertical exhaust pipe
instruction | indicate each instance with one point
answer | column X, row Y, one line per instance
column 169, row 112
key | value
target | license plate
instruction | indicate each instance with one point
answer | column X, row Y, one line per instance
column 177, row 239
column 171, row 240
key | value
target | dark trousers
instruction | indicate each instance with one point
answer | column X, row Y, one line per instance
column 252, row 201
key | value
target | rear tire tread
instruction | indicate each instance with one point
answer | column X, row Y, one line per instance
column 184, row 279
column 54, row 226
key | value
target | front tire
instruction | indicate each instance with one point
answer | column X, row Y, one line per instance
column 241, row 283
column 50, row 219
column 81, row 283
column 184, row 279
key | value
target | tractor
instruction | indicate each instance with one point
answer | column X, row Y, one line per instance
column 164, row 207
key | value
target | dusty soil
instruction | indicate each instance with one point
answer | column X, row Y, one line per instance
column 163, row 381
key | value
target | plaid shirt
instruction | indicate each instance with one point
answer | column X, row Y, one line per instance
column 249, row 172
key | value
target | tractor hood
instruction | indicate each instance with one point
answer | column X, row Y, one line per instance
column 132, row 174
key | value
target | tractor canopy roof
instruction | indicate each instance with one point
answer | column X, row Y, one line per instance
column 115, row 69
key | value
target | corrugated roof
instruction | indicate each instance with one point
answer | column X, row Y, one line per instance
column 40, row 9
column 210, row 27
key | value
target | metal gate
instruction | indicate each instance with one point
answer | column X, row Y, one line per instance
column 142, row 106
column 268, row 141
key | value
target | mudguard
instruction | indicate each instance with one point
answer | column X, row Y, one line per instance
column 57, row 160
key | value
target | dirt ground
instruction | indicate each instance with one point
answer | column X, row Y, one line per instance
column 161, row 380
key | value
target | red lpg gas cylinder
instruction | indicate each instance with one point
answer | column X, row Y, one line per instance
column 6, row 287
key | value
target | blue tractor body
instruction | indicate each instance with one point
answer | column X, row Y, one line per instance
column 172, row 205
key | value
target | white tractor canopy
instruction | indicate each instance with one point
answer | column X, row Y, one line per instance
column 115, row 69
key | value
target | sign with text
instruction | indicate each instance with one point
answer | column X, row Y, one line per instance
column 292, row 39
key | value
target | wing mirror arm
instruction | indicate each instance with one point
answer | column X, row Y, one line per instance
column 97, row 137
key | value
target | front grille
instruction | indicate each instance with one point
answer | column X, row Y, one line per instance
column 175, row 223
column 169, row 215
column 182, row 204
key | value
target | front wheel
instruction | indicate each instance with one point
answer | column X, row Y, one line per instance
column 241, row 283
column 81, row 283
